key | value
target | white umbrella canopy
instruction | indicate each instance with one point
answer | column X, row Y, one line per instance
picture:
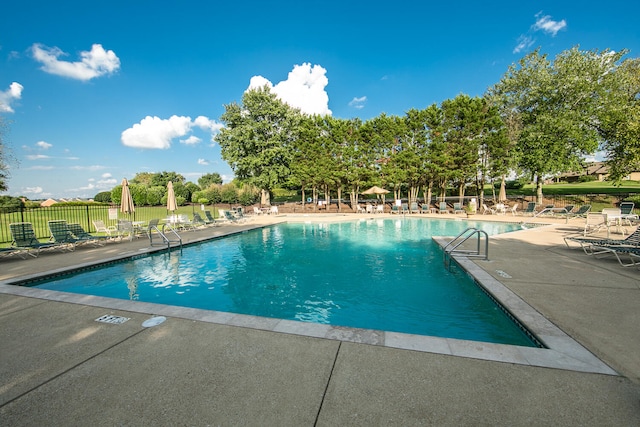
column 172, row 205
column 375, row 190
column 126, row 201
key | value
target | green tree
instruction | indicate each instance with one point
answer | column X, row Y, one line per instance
column 103, row 196
column 257, row 139
column 210, row 178
column 619, row 123
column 4, row 167
column 162, row 179
column 558, row 105
column 155, row 194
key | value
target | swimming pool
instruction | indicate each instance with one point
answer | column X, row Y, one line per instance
column 374, row 274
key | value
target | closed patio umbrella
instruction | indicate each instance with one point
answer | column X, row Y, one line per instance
column 172, row 205
column 502, row 195
column 126, row 202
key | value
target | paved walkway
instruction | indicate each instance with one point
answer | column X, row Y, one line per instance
column 58, row 366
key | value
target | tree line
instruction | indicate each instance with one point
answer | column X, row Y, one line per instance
column 542, row 118
column 149, row 188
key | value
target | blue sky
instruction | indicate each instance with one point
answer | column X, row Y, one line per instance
column 96, row 92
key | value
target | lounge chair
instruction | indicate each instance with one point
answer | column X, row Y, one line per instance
column 380, row 209
column 457, row 208
column 198, row 221
column 586, row 243
column 125, row 229
column 185, row 223
column 5, row 252
column 530, row 209
column 209, row 217
column 273, row 210
column 443, row 209
column 404, row 208
column 61, row 235
column 513, row 209
column 229, row 216
column 84, row 237
column 100, row 227
column 25, row 240
column 413, row 208
column 631, row 252
column 486, row 210
column 226, row 216
column 582, row 212
column 395, row 209
column 546, row 210
column 425, row 208
column 369, row 208
column 626, row 212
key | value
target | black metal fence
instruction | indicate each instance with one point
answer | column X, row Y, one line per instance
column 83, row 215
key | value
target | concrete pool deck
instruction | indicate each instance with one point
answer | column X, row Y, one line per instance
column 61, row 367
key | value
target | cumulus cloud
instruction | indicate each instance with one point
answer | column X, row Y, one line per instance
column 192, row 140
column 548, row 25
column 543, row 23
column 157, row 133
column 44, row 145
column 8, row 96
column 304, row 89
column 94, row 63
column 358, row 103
column 32, row 190
column 203, row 162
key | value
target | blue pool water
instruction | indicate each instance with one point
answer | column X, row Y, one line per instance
column 375, row 274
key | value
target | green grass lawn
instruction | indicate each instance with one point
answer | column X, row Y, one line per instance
column 594, row 187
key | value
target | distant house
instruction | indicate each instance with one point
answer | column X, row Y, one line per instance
column 597, row 169
column 48, row 203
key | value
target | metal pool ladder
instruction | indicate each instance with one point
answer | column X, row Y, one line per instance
column 454, row 244
column 153, row 226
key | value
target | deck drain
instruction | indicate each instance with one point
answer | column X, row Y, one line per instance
column 110, row 318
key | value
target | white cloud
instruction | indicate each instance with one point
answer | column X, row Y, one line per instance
column 544, row 24
column 157, row 133
column 8, row 96
column 192, row 140
column 304, row 89
column 94, row 63
column 549, row 26
column 524, row 42
column 92, row 168
column 154, row 132
column 32, row 190
column 106, row 175
column 37, row 157
column 203, row 162
column 40, row 168
column 358, row 103
column 44, row 145
column 207, row 124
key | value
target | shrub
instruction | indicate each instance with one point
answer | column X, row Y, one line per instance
column 515, row 185
column 10, row 204
column 103, row 197
column 587, row 178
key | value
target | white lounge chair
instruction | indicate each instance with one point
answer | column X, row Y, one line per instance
column 100, row 227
